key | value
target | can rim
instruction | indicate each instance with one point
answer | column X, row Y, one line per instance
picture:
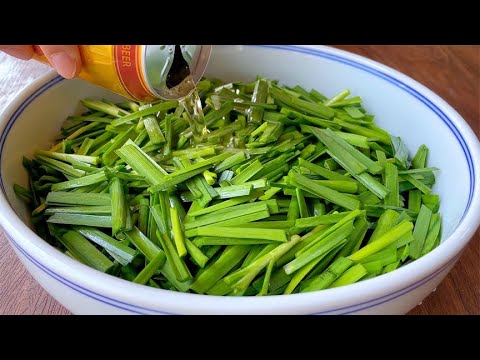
column 157, row 61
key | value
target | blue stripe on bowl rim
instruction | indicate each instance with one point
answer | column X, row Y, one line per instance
column 139, row 310
column 135, row 309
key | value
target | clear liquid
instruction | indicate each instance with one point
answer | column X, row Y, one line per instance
column 193, row 107
column 181, row 86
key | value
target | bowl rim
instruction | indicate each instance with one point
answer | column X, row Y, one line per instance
column 87, row 281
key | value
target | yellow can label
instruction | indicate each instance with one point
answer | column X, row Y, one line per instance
column 129, row 67
column 118, row 68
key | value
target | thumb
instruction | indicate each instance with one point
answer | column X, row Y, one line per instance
column 64, row 58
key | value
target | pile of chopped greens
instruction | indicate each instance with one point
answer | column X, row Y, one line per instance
column 290, row 191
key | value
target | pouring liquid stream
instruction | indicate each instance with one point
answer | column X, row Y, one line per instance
column 182, row 85
column 192, row 105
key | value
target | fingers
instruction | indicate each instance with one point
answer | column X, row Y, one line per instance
column 64, row 58
column 23, row 52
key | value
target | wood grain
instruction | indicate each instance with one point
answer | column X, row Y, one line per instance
column 453, row 72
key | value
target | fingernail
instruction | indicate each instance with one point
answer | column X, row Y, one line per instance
column 64, row 64
column 18, row 53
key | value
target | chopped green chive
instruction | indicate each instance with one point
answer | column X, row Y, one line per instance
column 419, row 161
column 149, row 270
column 320, row 248
column 141, row 163
column 433, row 234
column 420, row 232
column 153, row 129
column 414, row 200
column 107, row 242
column 178, row 232
column 225, row 214
column 350, row 276
column 320, row 220
column 239, row 232
column 163, row 106
column 119, row 207
column 323, row 192
column 81, row 219
column 326, row 278
column 383, row 241
column 286, row 191
column 213, row 273
column 210, row 240
column 70, row 198
column 89, row 254
column 386, row 221
column 87, row 210
column 391, row 183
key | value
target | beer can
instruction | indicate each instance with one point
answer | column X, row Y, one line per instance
column 144, row 72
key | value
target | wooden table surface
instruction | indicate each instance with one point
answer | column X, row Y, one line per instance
column 453, row 72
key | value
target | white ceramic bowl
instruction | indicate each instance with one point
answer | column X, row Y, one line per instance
column 401, row 105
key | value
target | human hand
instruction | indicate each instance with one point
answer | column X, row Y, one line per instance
column 64, row 58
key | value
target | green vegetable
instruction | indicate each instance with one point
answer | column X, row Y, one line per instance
column 420, row 232
column 111, row 245
column 120, row 211
column 391, row 183
column 153, row 130
column 266, row 280
column 238, row 232
column 177, row 230
column 82, row 248
column 212, row 274
column 320, row 220
column 350, row 276
column 383, row 241
column 386, row 221
column 287, row 191
column 323, row 192
column 230, row 213
column 149, row 270
column 197, row 255
column 326, row 278
column 81, row 219
column 320, row 248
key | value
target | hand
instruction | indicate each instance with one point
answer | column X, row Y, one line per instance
column 64, row 58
